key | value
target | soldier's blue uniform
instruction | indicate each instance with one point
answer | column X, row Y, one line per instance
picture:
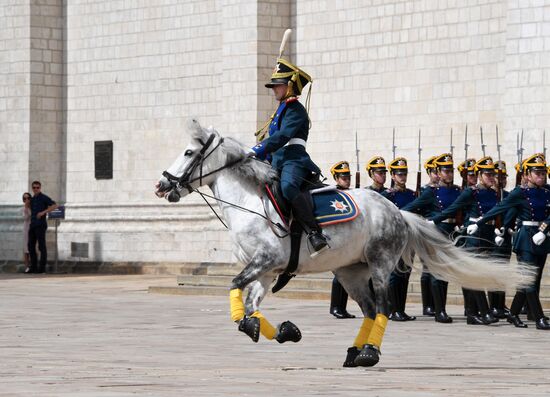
column 432, row 202
column 286, row 143
column 532, row 209
column 290, row 160
column 399, row 278
column 474, row 202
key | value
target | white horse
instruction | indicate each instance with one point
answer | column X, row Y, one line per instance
column 368, row 247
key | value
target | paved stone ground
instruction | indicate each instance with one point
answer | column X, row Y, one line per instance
column 106, row 336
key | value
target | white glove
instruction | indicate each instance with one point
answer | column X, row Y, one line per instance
column 430, row 222
column 499, row 232
column 472, row 229
column 539, row 238
column 498, row 241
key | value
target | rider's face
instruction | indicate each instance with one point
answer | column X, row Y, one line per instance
column 279, row 91
column 471, row 179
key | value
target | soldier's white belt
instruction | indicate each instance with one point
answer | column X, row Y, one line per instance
column 449, row 220
column 297, row 141
column 530, row 223
column 474, row 220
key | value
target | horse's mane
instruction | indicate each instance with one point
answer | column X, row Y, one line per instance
column 256, row 172
column 251, row 170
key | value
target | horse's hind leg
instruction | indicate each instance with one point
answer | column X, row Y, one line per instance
column 355, row 280
column 285, row 331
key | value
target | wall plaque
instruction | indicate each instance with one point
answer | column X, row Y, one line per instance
column 103, row 154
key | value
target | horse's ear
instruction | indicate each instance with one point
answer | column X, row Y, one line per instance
column 194, row 127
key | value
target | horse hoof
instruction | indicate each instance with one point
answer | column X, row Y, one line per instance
column 353, row 352
column 251, row 327
column 288, row 332
column 368, row 357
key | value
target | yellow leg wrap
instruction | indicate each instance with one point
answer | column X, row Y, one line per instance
column 377, row 332
column 236, row 305
column 364, row 332
column 266, row 329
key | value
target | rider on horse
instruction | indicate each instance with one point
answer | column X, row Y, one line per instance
column 286, row 141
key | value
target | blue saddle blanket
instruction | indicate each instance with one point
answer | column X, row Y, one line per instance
column 332, row 206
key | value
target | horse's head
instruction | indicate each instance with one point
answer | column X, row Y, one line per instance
column 196, row 166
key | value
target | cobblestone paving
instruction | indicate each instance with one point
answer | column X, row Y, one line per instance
column 106, row 336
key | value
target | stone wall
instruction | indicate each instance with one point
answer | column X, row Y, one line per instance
column 132, row 72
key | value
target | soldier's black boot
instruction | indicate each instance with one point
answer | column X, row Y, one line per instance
column 485, row 314
column 438, row 291
column 496, row 302
column 403, row 297
column 395, row 300
column 338, row 301
column 470, row 309
column 427, row 300
column 535, row 307
column 516, row 321
column 515, row 309
column 302, row 210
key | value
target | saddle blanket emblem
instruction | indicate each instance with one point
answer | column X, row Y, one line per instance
column 334, row 207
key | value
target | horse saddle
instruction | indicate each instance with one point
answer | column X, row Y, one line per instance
column 330, row 206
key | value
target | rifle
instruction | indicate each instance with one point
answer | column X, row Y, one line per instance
column 500, row 178
column 544, row 143
column 452, row 147
column 419, row 172
column 393, row 147
column 358, row 171
column 519, row 145
column 464, row 173
column 482, row 144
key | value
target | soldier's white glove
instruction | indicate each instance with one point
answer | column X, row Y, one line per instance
column 499, row 240
column 430, row 222
column 539, row 238
column 499, row 232
column 472, row 229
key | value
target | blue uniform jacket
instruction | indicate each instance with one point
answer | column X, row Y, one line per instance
column 529, row 204
column 433, row 201
column 399, row 197
column 290, row 121
column 473, row 202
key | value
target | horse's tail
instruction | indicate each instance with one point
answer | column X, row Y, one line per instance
column 446, row 261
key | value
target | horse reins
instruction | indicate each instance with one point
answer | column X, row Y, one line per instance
column 184, row 182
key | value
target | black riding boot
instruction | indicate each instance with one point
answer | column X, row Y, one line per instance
column 303, row 212
column 339, row 301
column 470, row 308
column 427, row 299
column 536, row 309
column 515, row 309
column 439, row 289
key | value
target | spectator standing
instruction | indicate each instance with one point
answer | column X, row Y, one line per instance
column 40, row 206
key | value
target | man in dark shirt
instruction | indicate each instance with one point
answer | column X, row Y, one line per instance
column 40, row 206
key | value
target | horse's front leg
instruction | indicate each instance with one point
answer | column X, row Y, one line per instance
column 254, row 318
column 251, row 321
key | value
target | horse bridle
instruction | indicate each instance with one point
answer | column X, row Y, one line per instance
column 183, row 181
